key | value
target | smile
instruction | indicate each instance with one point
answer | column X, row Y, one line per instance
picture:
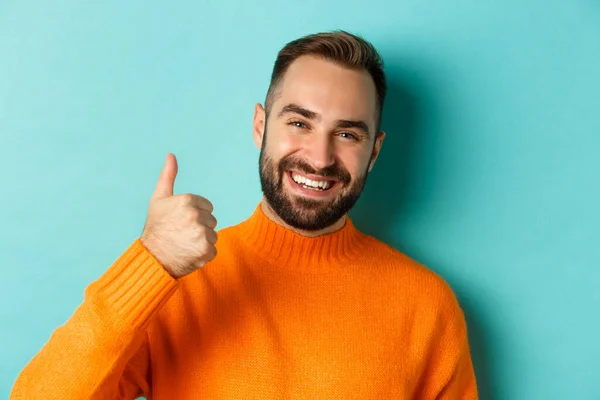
column 311, row 184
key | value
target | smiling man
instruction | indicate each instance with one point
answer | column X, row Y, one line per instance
column 323, row 135
column 298, row 303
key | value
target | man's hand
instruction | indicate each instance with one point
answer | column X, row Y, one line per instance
column 179, row 230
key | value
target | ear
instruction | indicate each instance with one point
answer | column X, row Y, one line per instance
column 376, row 149
column 258, row 125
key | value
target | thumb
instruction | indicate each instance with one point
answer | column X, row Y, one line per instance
column 166, row 180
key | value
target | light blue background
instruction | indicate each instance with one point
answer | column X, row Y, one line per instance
column 489, row 174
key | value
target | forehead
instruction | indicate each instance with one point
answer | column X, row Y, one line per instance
column 334, row 91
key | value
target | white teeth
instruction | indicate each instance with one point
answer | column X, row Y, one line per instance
column 308, row 182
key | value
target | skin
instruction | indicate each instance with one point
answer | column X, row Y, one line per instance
column 304, row 129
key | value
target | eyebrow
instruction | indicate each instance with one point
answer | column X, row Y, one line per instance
column 308, row 114
column 296, row 109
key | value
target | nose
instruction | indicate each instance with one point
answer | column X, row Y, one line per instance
column 320, row 151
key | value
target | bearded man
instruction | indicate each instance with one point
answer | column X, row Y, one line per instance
column 292, row 303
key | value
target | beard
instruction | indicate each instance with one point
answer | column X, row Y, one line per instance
column 301, row 212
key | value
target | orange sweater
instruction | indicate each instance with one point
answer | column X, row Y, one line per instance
column 275, row 315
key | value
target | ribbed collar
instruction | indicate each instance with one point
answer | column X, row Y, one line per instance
column 287, row 249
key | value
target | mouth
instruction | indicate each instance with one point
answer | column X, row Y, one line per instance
column 311, row 185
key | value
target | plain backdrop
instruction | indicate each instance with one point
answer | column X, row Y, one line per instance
column 489, row 174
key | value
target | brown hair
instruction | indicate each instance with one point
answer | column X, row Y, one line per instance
column 340, row 47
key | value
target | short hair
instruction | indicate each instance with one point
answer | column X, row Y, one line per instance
column 340, row 47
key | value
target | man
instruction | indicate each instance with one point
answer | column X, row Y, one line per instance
column 298, row 304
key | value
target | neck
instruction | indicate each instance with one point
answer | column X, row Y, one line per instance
column 272, row 215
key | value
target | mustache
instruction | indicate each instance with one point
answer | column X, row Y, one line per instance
column 331, row 171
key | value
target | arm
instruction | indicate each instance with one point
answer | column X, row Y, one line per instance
column 101, row 352
column 461, row 383
column 447, row 367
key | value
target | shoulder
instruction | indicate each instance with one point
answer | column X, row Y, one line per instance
column 426, row 287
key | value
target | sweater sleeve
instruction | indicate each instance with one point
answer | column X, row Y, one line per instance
column 448, row 372
column 101, row 352
column 461, row 377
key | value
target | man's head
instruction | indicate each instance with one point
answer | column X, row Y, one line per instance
column 322, row 114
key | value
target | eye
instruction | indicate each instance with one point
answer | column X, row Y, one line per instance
column 297, row 124
column 348, row 135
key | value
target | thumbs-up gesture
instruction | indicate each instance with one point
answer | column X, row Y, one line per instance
column 179, row 230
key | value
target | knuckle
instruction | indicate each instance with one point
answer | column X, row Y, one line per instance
column 204, row 230
column 198, row 232
column 206, row 234
column 208, row 253
column 211, row 252
column 193, row 214
column 204, row 203
column 205, row 247
column 187, row 198
column 209, row 220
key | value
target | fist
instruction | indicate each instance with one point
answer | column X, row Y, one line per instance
column 179, row 229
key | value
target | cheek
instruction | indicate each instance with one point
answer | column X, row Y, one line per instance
column 279, row 146
column 354, row 160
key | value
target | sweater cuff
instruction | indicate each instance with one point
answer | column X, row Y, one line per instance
column 133, row 288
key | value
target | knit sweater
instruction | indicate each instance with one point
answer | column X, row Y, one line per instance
column 276, row 315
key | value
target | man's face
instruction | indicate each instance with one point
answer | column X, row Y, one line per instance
column 321, row 142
